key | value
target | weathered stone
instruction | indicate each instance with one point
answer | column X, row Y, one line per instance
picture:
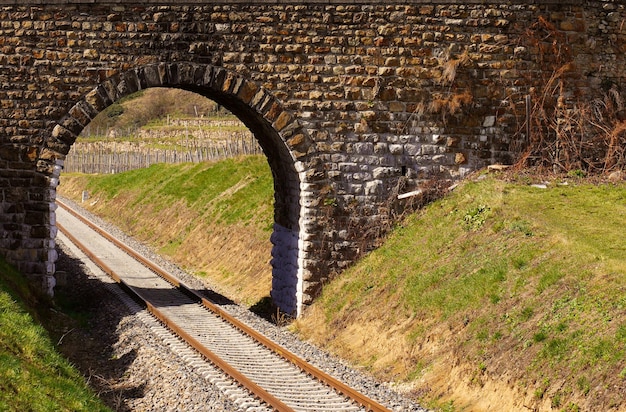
column 345, row 98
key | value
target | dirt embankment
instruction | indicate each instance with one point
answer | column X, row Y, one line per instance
column 236, row 257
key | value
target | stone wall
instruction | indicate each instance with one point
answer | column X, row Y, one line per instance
column 352, row 103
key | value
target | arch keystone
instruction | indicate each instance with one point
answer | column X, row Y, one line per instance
column 128, row 84
column 217, row 78
column 229, row 81
column 188, row 73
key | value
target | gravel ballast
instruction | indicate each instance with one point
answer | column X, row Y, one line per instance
column 131, row 361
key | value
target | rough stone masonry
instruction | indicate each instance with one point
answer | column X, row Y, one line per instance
column 352, row 102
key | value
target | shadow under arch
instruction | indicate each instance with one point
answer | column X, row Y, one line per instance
column 278, row 133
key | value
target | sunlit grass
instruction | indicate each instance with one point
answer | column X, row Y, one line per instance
column 231, row 191
column 540, row 272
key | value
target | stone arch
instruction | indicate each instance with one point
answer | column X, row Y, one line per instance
column 279, row 134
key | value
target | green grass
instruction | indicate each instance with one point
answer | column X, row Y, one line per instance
column 233, row 191
column 162, row 124
column 541, row 273
column 33, row 376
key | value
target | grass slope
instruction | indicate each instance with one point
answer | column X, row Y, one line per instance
column 498, row 297
column 33, row 376
column 213, row 218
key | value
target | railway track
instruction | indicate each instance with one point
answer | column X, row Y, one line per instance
column 279, row 379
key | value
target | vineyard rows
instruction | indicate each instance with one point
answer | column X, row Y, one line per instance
column 121, row 155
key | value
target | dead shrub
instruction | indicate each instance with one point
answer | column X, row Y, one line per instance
column 562, row 130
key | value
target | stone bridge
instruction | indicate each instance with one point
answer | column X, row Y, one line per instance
column 353, row 102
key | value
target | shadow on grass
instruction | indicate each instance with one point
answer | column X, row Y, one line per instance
column 83, row 324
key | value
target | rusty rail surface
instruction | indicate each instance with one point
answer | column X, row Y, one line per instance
column 278, row 405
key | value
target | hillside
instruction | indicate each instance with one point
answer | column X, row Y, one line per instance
column 501, row 296
column 146, row 108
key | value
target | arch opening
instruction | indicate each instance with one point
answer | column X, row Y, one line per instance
column 262, row 114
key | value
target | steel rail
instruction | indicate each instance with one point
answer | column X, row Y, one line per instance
column 258, row 391
column 361, row 399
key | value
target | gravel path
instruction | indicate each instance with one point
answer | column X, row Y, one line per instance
column 131, row 364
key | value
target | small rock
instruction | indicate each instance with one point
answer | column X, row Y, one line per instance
column 489, row 121
column 616, row 176
column 497, row 168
